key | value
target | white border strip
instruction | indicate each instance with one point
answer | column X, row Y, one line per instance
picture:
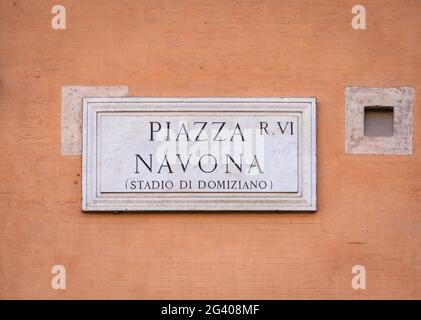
column 303, row 200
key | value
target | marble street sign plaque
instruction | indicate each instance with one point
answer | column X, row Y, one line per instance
column 212, row 154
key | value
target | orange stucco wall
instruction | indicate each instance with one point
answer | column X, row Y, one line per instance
column 369, row 207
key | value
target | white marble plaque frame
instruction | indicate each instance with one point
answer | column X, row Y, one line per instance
column 302, row 200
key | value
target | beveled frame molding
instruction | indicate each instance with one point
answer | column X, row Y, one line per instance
column 303, row 200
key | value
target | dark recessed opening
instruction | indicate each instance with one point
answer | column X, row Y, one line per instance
column 378, row 121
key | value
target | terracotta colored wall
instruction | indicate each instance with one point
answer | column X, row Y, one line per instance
column 369, row 207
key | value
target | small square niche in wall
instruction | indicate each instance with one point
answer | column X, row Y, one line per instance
column 378, row 120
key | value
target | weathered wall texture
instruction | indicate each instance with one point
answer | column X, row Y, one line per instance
column 369, row 207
